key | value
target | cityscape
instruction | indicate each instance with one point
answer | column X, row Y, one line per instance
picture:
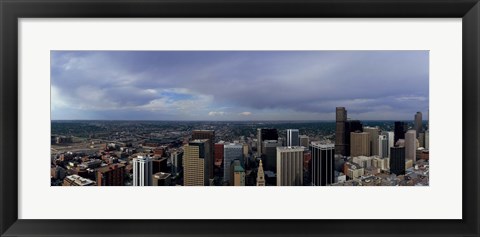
column 154, row 118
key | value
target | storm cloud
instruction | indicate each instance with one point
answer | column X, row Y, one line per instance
column 238, row 85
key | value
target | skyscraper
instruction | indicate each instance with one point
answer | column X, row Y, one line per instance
column 323, row 163
column 219, row 153
column 231, row 152
column 351, row 126
column 410, row 145
column 383, row 147
column 418, row 126
column 195, row 165
column 176, row 157
column 292, row 137
column 142, row 171
column 290, row 166
column 210, row 135
column 340, row 136
column 260, row 175
column 270, row 154
column 265, row 134
column 397, row 160
column 360, row 144
column 374, row 132
column 391, row 140
column 399, row 131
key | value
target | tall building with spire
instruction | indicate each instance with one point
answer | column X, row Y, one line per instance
column 260, row 175
column 340, row 140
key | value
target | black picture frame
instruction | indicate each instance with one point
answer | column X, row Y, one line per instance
column 11, row 11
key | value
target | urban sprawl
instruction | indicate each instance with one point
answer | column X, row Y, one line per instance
column 343, row 152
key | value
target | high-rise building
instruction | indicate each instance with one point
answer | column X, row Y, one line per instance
column 304, row 141
column 293, row 137
column 290, row 166
column 340, row 136
column 351, row 126
column 237, row 174
column 421, row 140
column 427, row 139
column 142, row 171
column 399, row 131
column 177, row 160
column 397, row 160
column 260, row 175
column 410, row 145
column 265, row 134
column 391, row 140
column 323, row 163
column 418, row 126
column 360, row 144
column 270, row 154
column 219, row 154
column 210, row 135
column 374, row 132
column 231, row 152
column 195, row 165
column 383, row 146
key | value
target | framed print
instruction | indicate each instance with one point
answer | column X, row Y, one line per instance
column 255, row 118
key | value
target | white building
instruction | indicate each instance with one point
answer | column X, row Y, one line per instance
column 293, row 137
column 142, row 171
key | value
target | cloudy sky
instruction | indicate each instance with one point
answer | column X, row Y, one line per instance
column 238, row 85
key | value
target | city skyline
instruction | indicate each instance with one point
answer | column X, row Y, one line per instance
column 255, row 85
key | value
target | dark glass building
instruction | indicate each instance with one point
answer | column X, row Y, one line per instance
column 322, row 165
column 397, row 160
column 399, row 132
column 340, row 136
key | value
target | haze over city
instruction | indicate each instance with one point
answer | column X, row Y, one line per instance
column 237, row 85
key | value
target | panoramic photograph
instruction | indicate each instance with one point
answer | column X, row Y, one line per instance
column 240, row 118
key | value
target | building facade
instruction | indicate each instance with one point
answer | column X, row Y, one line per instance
column 340, row 136
column 142, row 171
column 195, row 165
column 231, row 152
column 397, row 160
column 322, row 164
column 360, row 144
column 290, row 166
column 293, row 137
column 210, row 135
